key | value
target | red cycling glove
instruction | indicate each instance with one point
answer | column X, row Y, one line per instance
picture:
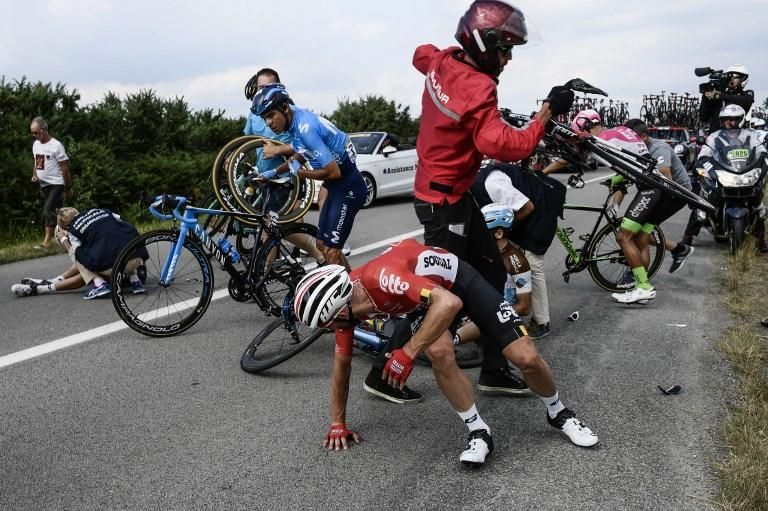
column 399, row 366
column 336, row 433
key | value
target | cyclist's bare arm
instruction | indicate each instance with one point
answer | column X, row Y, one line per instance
column 342, row 368
column 443, row 307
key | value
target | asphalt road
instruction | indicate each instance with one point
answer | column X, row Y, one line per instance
column 128, row 422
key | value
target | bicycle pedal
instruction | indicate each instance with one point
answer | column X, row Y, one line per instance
column 585, row 237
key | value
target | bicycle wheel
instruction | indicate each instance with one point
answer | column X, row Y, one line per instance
column 219, row 176
column 280, row 264
column 606, row 262
column 251, row 196
column 280, row 340
column 163, row 310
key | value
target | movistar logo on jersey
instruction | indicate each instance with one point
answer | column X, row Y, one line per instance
column 392, row 284
column 304, row 127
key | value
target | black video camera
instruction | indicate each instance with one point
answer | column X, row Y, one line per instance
column 717, row 80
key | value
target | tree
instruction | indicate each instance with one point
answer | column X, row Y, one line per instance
column 117, row 147
column 375, row 113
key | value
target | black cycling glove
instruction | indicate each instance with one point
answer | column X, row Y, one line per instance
column 560, row 100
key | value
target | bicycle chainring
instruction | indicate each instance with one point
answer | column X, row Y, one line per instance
column 237, row 291
column 572, row 265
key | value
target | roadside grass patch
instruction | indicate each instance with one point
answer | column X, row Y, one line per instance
column 20, row 244
column 744, row 470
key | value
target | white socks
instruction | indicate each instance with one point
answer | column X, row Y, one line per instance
column 473, row 420
column 553, row 404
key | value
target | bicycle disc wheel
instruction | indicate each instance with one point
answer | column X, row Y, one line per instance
column 163, row 310
column 606, row 262
column 284, row 263
column 280, row 340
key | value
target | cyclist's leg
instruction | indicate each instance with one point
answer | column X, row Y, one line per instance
column 634, row 218
column 498, row 320
column 336, row 220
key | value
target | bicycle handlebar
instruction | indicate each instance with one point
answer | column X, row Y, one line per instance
column 168, row 200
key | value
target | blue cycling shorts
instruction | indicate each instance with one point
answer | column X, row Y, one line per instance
column 339, row 211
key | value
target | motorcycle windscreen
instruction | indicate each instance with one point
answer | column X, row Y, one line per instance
column 737, row 158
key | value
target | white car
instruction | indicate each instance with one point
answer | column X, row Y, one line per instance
column 387, row 167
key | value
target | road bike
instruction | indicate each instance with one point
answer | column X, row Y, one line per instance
column 601, row 254
column 179, row 281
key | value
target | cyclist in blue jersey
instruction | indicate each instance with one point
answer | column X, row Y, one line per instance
column 330, row 153
column 278, row 195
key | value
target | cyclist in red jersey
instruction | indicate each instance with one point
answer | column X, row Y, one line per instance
column 433, row 286
column 460, row 125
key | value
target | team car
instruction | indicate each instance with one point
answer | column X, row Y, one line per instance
column 387, row 166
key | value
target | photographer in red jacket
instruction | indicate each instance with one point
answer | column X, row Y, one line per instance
column 460, row 125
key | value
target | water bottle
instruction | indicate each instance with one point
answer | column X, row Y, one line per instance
column 226, row 246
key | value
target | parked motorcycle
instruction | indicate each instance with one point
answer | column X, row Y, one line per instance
column 733, row 181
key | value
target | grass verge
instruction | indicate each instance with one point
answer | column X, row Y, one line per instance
column 744, row 471
column 22, row 244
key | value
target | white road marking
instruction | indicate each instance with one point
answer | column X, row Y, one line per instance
column 95, row 333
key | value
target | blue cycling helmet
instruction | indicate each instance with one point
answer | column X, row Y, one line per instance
column 498, row 215
column 271, row 96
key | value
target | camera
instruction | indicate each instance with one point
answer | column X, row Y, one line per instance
column 717, row 80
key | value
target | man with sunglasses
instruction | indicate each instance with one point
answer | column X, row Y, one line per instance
column 431, row 286
column 460, row 126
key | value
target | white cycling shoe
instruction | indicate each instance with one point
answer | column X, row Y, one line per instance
column 576, row 431
column 479, row 446
column 635, row 295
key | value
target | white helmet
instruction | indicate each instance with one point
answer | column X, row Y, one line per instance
column 758, row 123
column 322, row 294
column 738, row 69
column 733, row 111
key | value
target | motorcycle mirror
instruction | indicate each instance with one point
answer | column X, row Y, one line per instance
column 579, row 85
column 702, row 71
column 701, row 140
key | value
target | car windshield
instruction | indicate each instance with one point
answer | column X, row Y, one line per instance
column 667, row 134
column 365, row 143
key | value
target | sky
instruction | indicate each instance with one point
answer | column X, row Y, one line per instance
column 331, row 50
